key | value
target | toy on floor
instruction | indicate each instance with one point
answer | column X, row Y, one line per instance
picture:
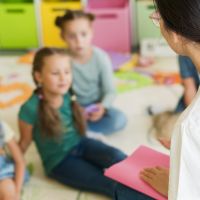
column 145, row 61
column 118, row 59
column 27, row 58
column 30, row 168
column 91, row 108
column 127, row 81
column 13, row 76
column 129, row 65
column 167, row 78
column 24, row 89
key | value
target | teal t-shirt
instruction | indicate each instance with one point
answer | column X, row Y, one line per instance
column 52, row 151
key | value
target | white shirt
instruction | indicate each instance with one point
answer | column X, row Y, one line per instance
column 184, row 181
column 6, row 133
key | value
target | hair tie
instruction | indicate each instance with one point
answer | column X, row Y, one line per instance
column 41, row 97
column 73, row 97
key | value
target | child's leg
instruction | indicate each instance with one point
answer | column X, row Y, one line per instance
column 81, row 174
column 7, row 190
column 125, row 193
column 99, row 153
column 113, row 121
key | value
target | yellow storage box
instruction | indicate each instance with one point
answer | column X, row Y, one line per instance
column 49, row 12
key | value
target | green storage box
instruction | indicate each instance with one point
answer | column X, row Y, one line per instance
column 145, row 26
column 17, row 1
column 18, row 26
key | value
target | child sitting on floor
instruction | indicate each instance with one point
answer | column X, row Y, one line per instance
column 12, row 170
column 92, row 73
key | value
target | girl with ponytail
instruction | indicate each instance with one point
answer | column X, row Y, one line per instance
column 53, row 119
column 92, row 72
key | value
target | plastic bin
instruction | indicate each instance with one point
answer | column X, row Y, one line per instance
column 49, row 12
column 146, row 28
column 60, row 0
column 112, row 30
column 18, row 26
column 17, row 1
column 106, row 3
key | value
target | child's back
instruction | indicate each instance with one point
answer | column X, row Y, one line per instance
column 93, row 81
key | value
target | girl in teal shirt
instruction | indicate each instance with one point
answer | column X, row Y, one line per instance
column 53, row 119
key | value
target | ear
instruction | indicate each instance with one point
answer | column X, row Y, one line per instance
column 176, row 37
column 38, row 77
column 179, row 43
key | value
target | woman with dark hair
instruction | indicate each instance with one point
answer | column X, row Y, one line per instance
column 180, row 25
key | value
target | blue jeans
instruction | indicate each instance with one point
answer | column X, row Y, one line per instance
column 180, row 106
column 114, row 120
column 7, row 169
column 84, row 166
column 124, row 193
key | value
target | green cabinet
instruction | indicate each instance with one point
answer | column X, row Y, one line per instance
column 16, row 1
column 145, row 27
column 18, row 26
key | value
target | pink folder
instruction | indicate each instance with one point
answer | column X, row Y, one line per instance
column 127, row 171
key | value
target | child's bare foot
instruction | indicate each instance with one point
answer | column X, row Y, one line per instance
column 166, row 143
column 157, row 178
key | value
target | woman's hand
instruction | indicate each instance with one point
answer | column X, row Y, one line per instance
column 157, row 178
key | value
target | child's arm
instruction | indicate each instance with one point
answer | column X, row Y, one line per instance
column 188, row 74
column 106, row 87
column 25, row 135
column 19, row 164
column 107, row 82
column 189, row 90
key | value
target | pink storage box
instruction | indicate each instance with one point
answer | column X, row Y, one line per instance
column 112, row 30
column 107, row 3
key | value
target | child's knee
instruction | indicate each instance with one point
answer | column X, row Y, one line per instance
column 8, row 190
column 120, row 120
column 117, row 155
column 11, row 195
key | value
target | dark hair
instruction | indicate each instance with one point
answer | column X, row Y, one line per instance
column 72, row 15
column 50, row 122
column 181, row 16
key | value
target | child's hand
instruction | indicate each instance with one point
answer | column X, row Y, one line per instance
column 165, row 143
column 97, row 115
